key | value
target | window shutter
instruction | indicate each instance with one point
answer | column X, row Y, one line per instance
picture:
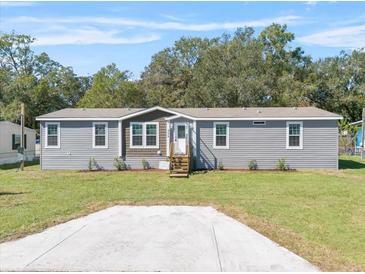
column 25, row 141
column 13, row 142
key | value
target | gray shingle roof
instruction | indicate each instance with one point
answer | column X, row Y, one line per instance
column 245, row 113
column 259, row 112
column 90, row 113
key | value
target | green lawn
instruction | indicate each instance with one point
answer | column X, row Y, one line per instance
column 318, row 215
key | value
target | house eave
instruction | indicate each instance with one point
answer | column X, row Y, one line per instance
column 193, row 118
column 76, row 119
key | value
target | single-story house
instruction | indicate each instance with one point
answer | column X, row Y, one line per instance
column 10, row 135
column 306, row 137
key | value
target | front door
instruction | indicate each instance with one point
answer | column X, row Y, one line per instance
column 180, row 137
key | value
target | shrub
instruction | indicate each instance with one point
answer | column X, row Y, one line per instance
column 220, row 165
column 93, row 165
column 252, row 165
column 119, row 164
column 282, row 165
column 145, row 164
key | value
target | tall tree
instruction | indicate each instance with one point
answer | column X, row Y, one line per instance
column 43, row 84
column 167, row 78
column 242, row 70
column 340, row 84
column 112, row 88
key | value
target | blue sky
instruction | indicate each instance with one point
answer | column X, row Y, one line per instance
column 89, row 35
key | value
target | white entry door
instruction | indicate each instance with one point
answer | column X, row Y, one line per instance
column 180, row 137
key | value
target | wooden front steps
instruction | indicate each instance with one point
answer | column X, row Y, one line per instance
column 179, row 164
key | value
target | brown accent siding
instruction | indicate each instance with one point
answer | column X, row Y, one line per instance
column 155, row 116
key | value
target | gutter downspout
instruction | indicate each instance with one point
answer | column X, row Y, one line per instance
column 120, row 138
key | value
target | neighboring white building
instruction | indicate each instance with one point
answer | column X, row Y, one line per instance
column 10, row 134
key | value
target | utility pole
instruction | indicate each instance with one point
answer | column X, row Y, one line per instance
column 22, row 114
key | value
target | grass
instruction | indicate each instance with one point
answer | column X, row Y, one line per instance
column 319, row 215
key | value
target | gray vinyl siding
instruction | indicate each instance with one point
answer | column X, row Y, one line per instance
column 134, row 156
column 76, row 147
column 266, row 144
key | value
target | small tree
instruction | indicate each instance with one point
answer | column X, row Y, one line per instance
column 347, row 138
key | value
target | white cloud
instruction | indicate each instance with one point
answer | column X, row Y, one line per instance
column 156, row 25
column 87, row 36
column 311, row 3
column 16, row 4
column 347, row 37
column 108, row 30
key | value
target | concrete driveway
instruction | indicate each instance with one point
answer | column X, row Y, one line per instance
column 150, row 238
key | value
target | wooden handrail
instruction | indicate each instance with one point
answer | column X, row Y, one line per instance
column 171, row 150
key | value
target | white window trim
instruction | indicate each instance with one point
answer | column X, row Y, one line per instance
column 214, row 135
column 58, row 134
column 157, row 134
column 144, row 134
column 300, row 136
column 259, row 123
column 131, row 134
column 106, row 134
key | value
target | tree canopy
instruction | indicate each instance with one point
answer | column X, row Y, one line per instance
column 232, row 70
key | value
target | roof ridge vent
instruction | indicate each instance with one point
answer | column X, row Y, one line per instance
column 295, row 108
column 244, row 108
column 207, row 108
column 258, row 111
column 83, row 109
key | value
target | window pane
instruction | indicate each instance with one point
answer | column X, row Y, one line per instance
column 151, row 140
column 151, row 129
column 99, row 140
column 294, row 141
column 221, row 141
column 16, row 141
column 221, row 129
column 52, row 140
column 181, row 132
column 52, row 129
column 137, row 140
column 137, row 129
column 99, row 129
column 294, row 129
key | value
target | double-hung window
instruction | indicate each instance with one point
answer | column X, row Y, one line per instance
column 294, row 135
column 52, row 135
column 144, row 135
column 100, row 135
column 221, row 135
